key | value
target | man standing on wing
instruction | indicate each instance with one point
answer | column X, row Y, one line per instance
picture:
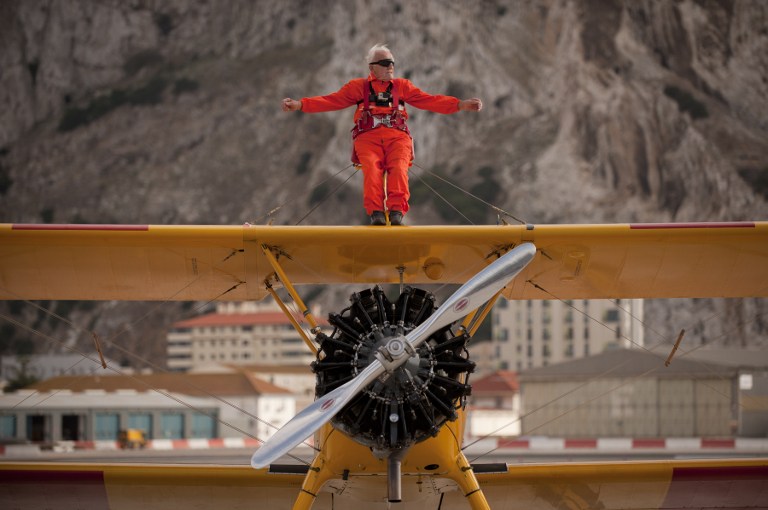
column 382, row 142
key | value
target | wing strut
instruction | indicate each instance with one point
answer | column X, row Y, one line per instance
column 291, row 318
column 473, row 321
column 292, row 291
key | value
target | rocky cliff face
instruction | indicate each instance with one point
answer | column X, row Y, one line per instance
column 595, row 111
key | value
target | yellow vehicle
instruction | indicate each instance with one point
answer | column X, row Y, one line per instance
column 130, row 439
column 388, row 423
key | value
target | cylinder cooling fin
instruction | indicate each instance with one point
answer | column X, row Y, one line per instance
column 410, row 404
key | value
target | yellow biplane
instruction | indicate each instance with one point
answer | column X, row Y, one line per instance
column 388, row 419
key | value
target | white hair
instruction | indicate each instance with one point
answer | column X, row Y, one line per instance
column 374, row 49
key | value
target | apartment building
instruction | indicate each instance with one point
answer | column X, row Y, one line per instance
column 236, row 334
column 531, row 334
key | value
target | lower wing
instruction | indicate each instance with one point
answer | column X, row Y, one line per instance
column 725, row 484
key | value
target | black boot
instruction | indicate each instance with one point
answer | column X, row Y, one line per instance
column 378, row 218
column 395, row 218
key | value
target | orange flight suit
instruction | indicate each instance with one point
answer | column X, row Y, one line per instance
column 382, row 149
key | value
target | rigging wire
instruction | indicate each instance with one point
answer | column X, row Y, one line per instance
column 441, row 197
column 302, row 195
column 590, row 317
column 468, row 193
column 329, row 195
column 498, row 210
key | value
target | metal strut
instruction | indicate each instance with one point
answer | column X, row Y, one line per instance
column 291, row 318
column 473, row 321
column 294, row 295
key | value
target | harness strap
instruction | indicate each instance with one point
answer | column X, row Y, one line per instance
column 367, row 97
column 395, row 98
column 366, row 101
column 368, row 121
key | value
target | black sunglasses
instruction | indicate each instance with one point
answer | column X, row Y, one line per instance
column 384, row 63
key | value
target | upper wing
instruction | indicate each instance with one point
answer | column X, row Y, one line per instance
column 141, row 262
column 725, row 484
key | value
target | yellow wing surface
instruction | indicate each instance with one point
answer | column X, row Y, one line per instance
column 145, row 262
column 626, row 485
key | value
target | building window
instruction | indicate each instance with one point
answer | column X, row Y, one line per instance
column 172, row 425
column 203, row 426
column 107, row 426
column 7, row 427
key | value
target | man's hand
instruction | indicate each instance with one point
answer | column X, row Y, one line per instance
column 470, row 105
column 291, row 105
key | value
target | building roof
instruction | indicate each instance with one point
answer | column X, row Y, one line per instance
column 97, row 399
column 47, row 365
column 233, row 319
column 621, row 363
column 197, row 385
column 501, row 381
column 238, row 319
column 740, row 358
column 298, row 369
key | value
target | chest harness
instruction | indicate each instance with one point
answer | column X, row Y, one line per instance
column 387, row 99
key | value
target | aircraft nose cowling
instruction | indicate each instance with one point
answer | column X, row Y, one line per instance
column 409, row 403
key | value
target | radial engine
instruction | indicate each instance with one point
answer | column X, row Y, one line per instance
column 411, row 404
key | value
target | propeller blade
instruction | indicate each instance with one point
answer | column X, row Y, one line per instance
column 469, row 296
column 312, row 417
column 476, row 291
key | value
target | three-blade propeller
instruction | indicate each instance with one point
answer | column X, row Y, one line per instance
column 479, row 289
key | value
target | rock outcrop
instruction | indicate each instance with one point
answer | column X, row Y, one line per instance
column 595, row 111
